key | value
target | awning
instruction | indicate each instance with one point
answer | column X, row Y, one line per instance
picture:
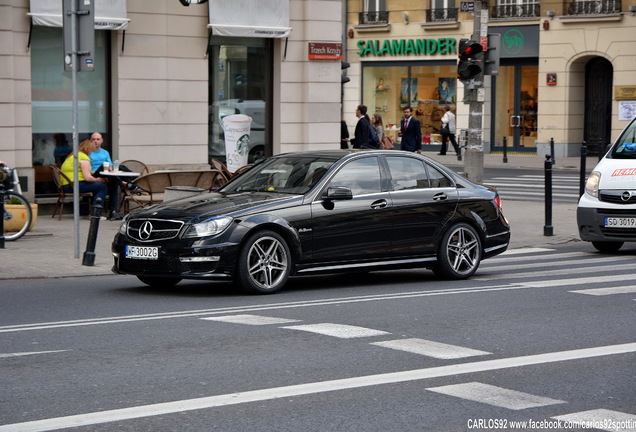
column 109, row 14
column 250, row 18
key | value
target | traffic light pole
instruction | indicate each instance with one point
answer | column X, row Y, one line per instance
column 474, row 95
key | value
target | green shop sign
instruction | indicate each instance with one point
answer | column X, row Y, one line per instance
column 407, row 46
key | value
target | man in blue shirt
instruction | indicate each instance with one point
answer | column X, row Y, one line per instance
column 98, row 157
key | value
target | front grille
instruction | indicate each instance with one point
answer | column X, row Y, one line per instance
column 147, row 230
column 618, row 196
column 623, row 233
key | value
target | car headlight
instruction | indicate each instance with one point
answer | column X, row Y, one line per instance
column 123, row 227
column 591, row 186
column 208, row 228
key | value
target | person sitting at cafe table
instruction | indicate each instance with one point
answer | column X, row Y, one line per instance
column 87, row 181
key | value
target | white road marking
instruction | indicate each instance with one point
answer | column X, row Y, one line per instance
column 561, row 272
column 311, row 388
column 607, row 291
column 20, row 354
column 430, row 348
column 496, row 396
column 602, row 419
column 251, row 319
column 525, row 251
column 563, row 263
column 338, row 330
column 579, row 281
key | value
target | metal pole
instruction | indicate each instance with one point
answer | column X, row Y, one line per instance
column 74, row 67
column 583, row 169
column 547, row 228
column 2, row 218
column 505, row 150
column 552, row 151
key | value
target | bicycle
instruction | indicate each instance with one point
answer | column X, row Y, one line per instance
column 10, row 195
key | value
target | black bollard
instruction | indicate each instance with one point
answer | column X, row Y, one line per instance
column 552, row 151
column 505, row 150
column 583, row 168
column 89, row 254
column 547, row 228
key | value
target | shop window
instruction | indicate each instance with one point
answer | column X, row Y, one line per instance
column 239, row 83
column 52, row 101
column 427, row 89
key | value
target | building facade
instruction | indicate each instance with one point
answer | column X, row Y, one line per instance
column 567, row 70
column 163, row 76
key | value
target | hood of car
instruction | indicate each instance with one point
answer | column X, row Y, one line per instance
column 617, row 173
column 216, row 204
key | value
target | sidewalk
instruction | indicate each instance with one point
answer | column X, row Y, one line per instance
column 48, row 250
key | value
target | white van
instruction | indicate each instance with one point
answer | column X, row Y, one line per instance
column 606, row 214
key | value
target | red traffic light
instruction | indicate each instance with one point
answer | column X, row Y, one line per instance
column 468, row 48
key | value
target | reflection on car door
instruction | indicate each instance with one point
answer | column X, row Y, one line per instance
column 424, row 200
column 355, row 229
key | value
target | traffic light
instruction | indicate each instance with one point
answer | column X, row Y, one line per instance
column 344, row 78
column 491, row 57
column 469, row 66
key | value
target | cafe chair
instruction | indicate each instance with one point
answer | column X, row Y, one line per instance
column 135, row 166
column 220, row 166
column 62, row 196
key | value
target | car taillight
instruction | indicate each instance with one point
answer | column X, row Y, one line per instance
column 497, row 202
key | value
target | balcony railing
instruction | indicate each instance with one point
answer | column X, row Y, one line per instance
column 433, row 15
column 374, row 17
column 599, row 7
column 527, row 10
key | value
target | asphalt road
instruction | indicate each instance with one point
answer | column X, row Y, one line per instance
column 539, row 335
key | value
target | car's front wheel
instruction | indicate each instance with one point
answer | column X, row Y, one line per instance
column 159, row 282
column 459, row 254
column 607, row 247
column 264, row 263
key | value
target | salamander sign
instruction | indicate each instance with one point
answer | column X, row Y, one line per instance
column 397, row 47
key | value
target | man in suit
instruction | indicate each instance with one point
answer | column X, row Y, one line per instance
column 361, row 133
column 410, row 132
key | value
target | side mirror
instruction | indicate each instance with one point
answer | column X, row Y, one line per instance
column 338, row 193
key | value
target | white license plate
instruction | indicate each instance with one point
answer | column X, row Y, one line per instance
column 617, row 222
column 142, row 252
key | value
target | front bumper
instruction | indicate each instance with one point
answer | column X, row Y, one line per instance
column 591, row 224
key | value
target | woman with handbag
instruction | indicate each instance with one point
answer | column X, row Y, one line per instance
column 448, row 131
column 385, row 141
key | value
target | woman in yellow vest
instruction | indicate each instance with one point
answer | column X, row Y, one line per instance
column 87, row 182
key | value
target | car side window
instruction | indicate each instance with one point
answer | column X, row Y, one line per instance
column 407, row 173
column 362, row 176
column 437, row 179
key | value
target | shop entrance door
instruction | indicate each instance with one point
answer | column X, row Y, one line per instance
column 515, row 108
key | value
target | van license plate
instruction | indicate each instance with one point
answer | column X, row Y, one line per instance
column 142, row 252
column 614, row 222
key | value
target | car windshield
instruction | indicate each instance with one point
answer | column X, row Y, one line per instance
column 625, row 148
column 284, row 174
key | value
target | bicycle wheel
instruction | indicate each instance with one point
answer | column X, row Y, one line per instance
column 17, row 215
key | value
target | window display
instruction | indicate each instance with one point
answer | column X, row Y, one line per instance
column 427, row 89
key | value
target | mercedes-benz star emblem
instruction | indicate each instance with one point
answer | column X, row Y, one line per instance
column 145, row 230
column 626, row 196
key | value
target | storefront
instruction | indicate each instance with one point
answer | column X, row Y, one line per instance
column 426, row 85
column 514, row 91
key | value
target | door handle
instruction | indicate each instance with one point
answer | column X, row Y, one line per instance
column 379, row 204
column 441, row 196
column 515, row 121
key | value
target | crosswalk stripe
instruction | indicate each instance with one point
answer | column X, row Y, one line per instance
column 607, row 291
column 527, row 265
column 496, row 396
column 601, row 419
column 430, row 348
column 250, row 319
column 563, row 272
column 527, row 250
column 579, row 281
column 338, row 330
column 20, row 354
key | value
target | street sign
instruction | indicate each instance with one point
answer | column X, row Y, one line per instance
column 467, row 6
column 85, row 33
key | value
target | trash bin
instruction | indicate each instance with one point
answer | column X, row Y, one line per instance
column 177, row 192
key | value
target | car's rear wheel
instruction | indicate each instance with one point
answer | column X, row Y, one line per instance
column 607, row 247
column 459, row 254
column 264, row 263
column 159, row 282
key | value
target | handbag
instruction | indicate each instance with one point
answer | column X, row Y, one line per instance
column 387, row 143
column 445, row 130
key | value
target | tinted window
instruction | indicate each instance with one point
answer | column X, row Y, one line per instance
column 437, row 178
column 626, row 146
column 362, row 176
column 407, row 173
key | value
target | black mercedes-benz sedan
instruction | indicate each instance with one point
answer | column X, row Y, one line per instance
column 317, row 212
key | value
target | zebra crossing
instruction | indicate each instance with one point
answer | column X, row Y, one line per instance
column 531, row 187
column 554, row 263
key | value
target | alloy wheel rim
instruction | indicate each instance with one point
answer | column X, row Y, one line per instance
column 267, row 262
column 463, row 251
